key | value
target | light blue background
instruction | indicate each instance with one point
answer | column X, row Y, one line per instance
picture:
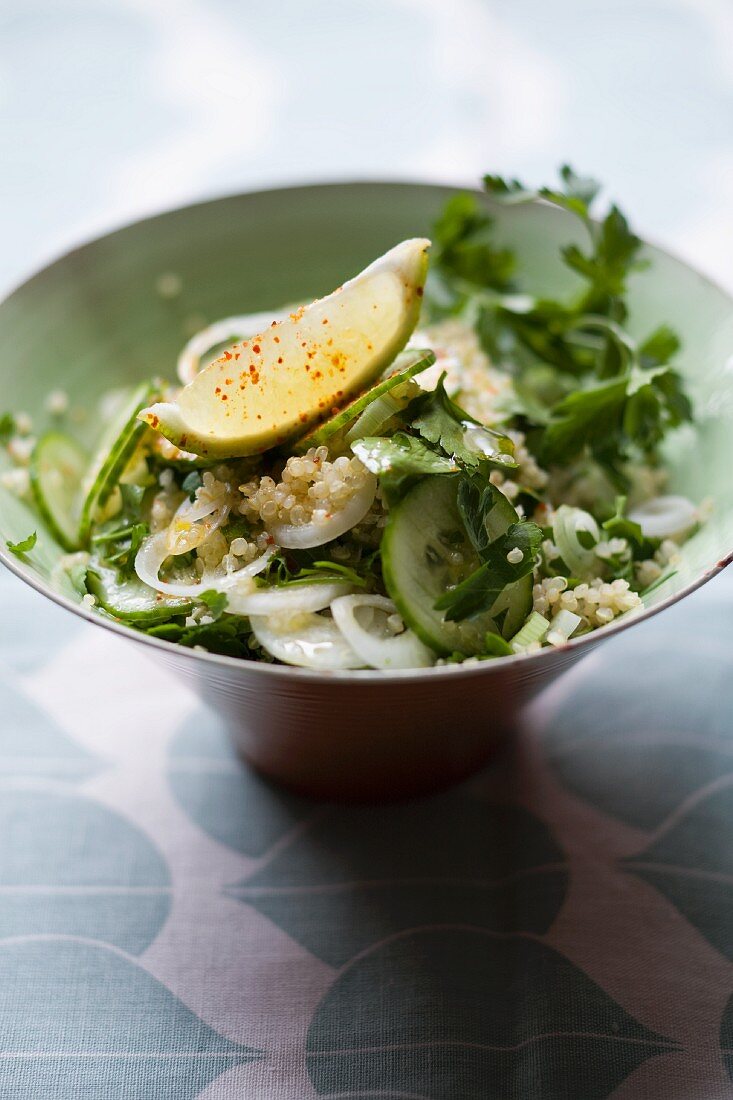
column 110, row 109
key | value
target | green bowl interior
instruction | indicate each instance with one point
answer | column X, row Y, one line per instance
column 94, row 320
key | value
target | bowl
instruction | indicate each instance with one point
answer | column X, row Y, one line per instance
column 97, row 318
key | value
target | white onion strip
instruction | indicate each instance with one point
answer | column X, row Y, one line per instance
column 153, row 553
column 376, row 646
column 289, row 599
column 567, row 526
column 665, row 516
column 228, row 330
column 308, row 640
column 315, row 533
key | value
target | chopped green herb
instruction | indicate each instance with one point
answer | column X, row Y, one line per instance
column 7, row 427
column 620, row 399
column 20, row 549
column 132, row 499
column 440, row 421
column 482, row 588
column 462, row 239
column 495, row 646
column 191, row 483
column 228, row 636
column 215, row 601
column 400, row 460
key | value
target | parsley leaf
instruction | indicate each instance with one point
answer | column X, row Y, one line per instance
column 128, row 540
column 228, row 636
column 611, row 417
column 20, row 549
column 582, row 189
column 481, row 506
column 659, row 348
column 440, row 421
column 482, row 588
column 580, row 380
column 575, row 193
column 607, row 265
column 132, row 498
column 620, row 527
column 216, row 602
column 507, row 190
column 399, row 461
column 191, row 483
column 462, row 239
column 7, row 427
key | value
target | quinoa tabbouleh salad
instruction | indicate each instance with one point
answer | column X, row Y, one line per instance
column 413, row 470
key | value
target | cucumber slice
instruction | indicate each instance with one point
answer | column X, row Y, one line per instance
column 127, row 598
column 406, row 365
column 56, row 468
column 424, row 532
column 119, row 439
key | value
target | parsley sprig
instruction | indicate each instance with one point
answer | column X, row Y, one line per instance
column 501, row 563
column 581, row 381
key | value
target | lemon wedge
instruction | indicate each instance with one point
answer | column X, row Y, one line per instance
column 276, row 385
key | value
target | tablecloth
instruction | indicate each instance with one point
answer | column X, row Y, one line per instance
column 561, row 926
column 172, row 926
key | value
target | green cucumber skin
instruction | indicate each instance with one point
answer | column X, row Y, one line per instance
column 64, row 538
column 320, row 435
column 129, row 435
column 159, row 611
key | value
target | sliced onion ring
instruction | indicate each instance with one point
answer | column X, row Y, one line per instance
column 186, row 534
column 290, row 599
column 567, row 526
column 307, row 640
column 665, row 516
column 338, row 523
column 154, row 551
column 228, row 330
column 376, row 647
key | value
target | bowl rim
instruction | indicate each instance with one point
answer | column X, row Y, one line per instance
column 470, row 668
